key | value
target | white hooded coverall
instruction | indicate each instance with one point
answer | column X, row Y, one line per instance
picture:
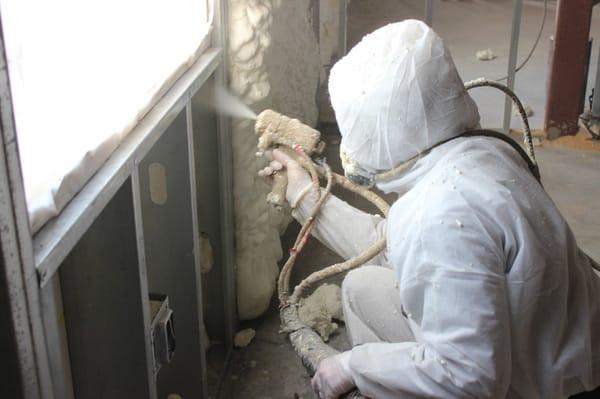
column 484, row 292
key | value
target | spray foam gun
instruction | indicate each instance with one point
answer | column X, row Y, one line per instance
column 300, row 142
column 293, row 137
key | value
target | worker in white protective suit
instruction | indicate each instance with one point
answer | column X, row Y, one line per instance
column 482, row 291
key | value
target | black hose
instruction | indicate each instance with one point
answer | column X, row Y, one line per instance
column 527, row 138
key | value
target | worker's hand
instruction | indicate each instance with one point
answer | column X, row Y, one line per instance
column 331, row 381
column 298, row 179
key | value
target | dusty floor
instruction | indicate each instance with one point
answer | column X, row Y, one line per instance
column 268, row 367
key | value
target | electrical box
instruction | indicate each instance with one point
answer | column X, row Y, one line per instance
column 162, row 330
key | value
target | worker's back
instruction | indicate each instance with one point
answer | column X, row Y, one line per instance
column 478, row 213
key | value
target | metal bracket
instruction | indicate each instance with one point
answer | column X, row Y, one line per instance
column 162, row 330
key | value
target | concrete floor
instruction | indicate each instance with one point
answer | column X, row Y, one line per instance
column 268, row 367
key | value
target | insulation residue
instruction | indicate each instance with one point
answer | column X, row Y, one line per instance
column 580, row 141
column 320, row 309
column 528, row 110
column 206, row 253
column 243, row 337
column 157, row 177
column 485, row 55
column 205, row 337
column 274, row 63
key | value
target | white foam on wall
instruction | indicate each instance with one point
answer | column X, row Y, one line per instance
column 274, row 63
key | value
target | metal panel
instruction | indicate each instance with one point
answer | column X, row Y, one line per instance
column 170, row 261
column 512, row 60
column 217, row 293
column 55, row 240
column 220, row 356
column 143, row 275
column 196, row 237
column 103, row 306
column 10, row 367
column 226, row 186
column 14, row 275
column 206, row 165
column 56, row 339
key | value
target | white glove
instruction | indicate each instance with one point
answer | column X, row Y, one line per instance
column 299, row 181
column 331, row 380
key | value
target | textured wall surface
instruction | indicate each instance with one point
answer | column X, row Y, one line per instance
column 274, row 63
column 331, row 47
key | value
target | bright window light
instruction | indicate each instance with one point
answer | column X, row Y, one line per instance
column 82, row 75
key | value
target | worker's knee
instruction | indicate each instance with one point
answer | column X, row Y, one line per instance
column 359, row 283
column 372, row 307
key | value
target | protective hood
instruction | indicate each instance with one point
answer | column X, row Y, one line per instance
column 396, row 94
